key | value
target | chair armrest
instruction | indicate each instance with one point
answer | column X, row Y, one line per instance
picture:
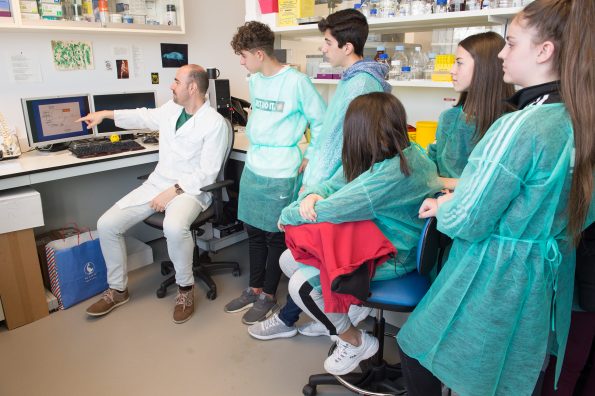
column 217, row 186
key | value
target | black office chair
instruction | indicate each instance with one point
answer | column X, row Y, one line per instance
column 201, row 263
column 378, row 377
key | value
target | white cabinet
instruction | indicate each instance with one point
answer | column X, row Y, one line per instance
column 17, row 23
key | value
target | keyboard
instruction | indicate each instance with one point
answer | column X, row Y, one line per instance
column 97, row 149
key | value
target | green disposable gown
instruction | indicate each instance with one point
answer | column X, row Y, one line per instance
column 483, row 326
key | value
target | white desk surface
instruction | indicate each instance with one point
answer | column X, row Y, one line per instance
column 38, row 167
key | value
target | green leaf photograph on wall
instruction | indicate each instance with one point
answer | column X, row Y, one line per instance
column 73, row 55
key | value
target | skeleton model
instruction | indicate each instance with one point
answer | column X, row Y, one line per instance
column 9, row 143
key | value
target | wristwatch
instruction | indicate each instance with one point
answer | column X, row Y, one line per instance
column 179, row 189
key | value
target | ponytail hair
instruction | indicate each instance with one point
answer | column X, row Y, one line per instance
column 569, row 25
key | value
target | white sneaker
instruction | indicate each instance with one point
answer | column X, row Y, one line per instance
column 313, row 329
column 346, row 357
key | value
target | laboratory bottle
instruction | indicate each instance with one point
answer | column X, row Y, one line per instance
column 399, row 60
column 365, row 8
column 441, row 6
column 384, row 60
column 418, row 7
column 171, row 18
column 429, row 68
column 103, row 9
column 417, row 64
column 374, row 13
column 456, row 5
column 379, row 51
column 388, row 8
column 405, row 8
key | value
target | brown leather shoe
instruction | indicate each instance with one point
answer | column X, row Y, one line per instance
column 111, row 299
column 184, row 308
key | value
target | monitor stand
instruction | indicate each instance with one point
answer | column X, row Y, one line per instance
column 54, row 147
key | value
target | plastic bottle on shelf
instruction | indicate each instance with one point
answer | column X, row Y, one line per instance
column 399, row 60
column 405, row 73
column 373, row 13
column 405, row 8
column 473, row 5
column 418, row 7
column 103, row 9
column 440, row 7
column 365, row 8
column 385, row 61
column 417, row 64
column 429, row 68
column 379, row 51
column 456, row 5
column 388, row 8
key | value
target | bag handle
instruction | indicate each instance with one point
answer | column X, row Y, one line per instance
column 80, row 231
column 75, row 228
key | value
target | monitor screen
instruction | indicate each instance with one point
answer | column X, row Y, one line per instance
column 120, row 101
column 52, row 119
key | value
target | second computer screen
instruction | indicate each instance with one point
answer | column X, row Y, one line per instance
column 120, row 101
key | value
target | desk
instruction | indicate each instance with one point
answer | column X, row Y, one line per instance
column 38, row 167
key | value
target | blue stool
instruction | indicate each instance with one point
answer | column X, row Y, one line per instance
column 397, row 295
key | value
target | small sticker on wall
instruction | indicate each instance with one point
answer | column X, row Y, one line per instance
column 154, row 78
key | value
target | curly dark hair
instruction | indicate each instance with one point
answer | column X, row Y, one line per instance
column 254, row 36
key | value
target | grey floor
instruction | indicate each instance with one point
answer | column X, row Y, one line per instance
column 138, row 350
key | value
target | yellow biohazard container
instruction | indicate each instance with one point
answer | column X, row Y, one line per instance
column 425, row 132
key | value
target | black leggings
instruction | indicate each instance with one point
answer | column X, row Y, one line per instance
column 265, row 248
column 419, row 381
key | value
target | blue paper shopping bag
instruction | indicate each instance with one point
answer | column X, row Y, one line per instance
column 76, row 268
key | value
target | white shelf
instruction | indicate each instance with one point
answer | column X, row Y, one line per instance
column 495, row 16
column 16, row 23
column 412, row 83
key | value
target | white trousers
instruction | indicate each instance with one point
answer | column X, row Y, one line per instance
column 179, row 215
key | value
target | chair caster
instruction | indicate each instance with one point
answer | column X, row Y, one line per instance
column 309, row 390
column 212, row 294
column 161, row 292
column 236, row 272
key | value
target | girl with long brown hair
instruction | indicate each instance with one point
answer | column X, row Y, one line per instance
column 517, row 213
column 384, row 178
column 477, row 75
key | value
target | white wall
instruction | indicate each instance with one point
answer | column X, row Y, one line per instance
column 208, row 33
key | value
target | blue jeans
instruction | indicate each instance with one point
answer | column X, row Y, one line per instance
column 290, row 313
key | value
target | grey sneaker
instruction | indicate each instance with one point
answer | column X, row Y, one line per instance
column 271, row 328
column 262, row 308
column 245, row 301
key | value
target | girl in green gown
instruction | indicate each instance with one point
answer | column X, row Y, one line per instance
column 477, row 75
column 505, row 294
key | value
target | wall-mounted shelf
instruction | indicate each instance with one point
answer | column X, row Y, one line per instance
column 18, row 24
column 489, row 17
column 411, row 83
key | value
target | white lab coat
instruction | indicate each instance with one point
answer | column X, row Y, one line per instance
column 191, row 156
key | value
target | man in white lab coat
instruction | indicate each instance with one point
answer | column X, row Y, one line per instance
column 192, row 145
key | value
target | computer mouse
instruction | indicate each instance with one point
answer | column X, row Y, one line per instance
column 151, row 140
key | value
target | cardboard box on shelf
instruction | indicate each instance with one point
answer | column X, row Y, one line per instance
column 291, row 10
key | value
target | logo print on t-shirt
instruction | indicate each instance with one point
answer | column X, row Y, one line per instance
column 269, row 105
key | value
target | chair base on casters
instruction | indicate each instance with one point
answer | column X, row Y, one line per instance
column 201, row 267
column 378, row 378
column 374, row 380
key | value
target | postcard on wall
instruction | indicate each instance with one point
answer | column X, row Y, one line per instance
column 73, row 55
column 5, row 8
column 174, row 55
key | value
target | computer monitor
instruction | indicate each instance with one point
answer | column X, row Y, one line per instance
column 121, row 101
column 51, row 120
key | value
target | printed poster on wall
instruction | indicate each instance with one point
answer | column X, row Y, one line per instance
column 72, row 55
